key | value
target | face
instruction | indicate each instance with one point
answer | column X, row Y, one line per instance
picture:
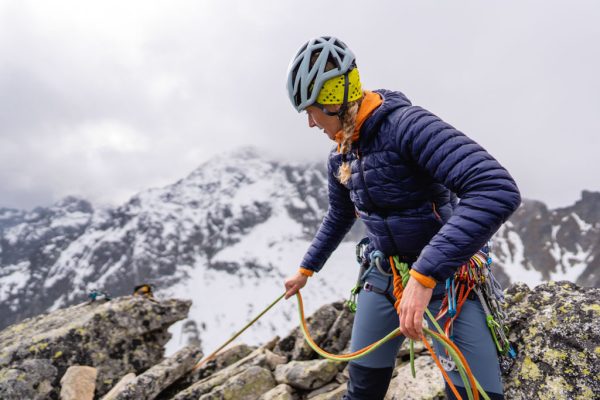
column 330, row 125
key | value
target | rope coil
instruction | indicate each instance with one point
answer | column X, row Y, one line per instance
column 470, row 383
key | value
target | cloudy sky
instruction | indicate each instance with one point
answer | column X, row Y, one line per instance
column 104, row 99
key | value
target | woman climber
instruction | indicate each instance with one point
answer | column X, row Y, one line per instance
column 400, row 169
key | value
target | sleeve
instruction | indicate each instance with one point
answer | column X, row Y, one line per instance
column 337, row 222
column 488, row 194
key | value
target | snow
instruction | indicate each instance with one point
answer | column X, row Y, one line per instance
column 13, row 234
column 14, row 278
column 571, row 266
column 224, row 303
column 297, row 203
column 555, row 229
column 71, row 219
column 515, row 265
column 7, row 213
column 583, row 226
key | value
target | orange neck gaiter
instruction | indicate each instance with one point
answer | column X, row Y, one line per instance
column 369, row 104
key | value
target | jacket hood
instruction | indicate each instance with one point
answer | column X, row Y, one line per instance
column 391, row 101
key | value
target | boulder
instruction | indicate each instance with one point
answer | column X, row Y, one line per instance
column 294, row 347
column 307, row 375
column 28, row 379
column 428, row 384
column 280, row 392
column 330, row 387
column 554, row 328
column 335, row 394
column 78, row 383
column 248, row 385
column 338, row 336
column 116, row 337
column 204, row 386
column 221, row 361
column 118, row 388
column 153, row 381
column 404, row 352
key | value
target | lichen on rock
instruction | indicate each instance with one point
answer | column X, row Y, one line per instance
column 556, row 332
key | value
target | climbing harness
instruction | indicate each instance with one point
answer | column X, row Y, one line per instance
column 375, row 259
column 472, row 281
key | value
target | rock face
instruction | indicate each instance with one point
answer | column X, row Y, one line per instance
column 116, row 337
column 557, row 333
column 553, row 327
column 153, row 381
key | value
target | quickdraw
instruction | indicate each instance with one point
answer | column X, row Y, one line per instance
column 476, row 276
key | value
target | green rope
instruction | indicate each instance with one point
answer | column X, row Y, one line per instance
column 248, row 325
column 451, row 351
column 395, row 333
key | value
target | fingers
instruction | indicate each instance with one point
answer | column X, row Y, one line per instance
column 291, row 290
column 294, row 284
column 418, row 325
column 411, row 323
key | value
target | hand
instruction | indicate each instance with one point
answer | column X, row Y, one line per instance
column 412, row 306
column 294, row 283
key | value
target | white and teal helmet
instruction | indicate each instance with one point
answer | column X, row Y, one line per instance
column 305, row 81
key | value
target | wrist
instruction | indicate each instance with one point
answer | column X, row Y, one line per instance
column 306, row 272
column 424, row 280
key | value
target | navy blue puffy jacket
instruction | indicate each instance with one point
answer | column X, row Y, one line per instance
column 408, row 166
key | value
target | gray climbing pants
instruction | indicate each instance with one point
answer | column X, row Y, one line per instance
column 375, row 317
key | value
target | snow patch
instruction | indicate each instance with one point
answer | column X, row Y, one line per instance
column 14, row 278
column 583, row 226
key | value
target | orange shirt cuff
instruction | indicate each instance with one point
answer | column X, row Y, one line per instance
column 306, row 272
column 424, row 280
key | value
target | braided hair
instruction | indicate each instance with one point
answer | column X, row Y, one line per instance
column 348, row 120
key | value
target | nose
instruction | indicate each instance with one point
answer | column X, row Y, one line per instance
column 311, row 122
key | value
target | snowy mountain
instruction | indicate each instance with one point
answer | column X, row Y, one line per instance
column 227, row 235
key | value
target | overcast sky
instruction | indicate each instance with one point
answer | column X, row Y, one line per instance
column 104, row 99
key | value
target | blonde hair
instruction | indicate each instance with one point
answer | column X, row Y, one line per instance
column 348, row 120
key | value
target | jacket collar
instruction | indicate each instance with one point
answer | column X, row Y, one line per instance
column 369, row 104
column 390, row 101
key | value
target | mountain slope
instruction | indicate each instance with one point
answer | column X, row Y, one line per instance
column 228, row 234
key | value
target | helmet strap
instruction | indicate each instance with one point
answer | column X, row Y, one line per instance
column 344, row 106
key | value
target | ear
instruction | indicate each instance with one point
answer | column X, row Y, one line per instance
column 333, row 107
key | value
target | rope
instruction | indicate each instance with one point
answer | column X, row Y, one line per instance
column 469, row 381
column 214, row 353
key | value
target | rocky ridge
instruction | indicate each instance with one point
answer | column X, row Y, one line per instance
column 239, row 223
column 554, row 328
